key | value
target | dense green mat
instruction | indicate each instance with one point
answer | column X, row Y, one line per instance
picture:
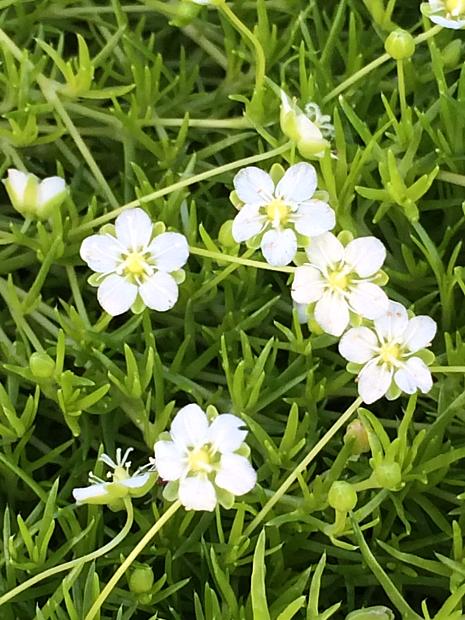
column 159, row 104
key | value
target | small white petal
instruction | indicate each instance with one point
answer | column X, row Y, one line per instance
column 170, row 251
column 94, row 493
column 358, row 345
column 414, row 375
column 419, row 333
column 159, row 292
column 279, row 247
column 197, row 493
column 17, row 181
column 392, row 324
column 454, row 24
column 308, row 285
column 189, row 428
column 134, row 229
column 314, row 218
column 49, row 188
column 332, row 313
column 302, row 312
column 365, row 255
column 236, row 474
column 135, row 482
column 248, row 223
column 116, row 295
column 374, row 381
column 254, row 186
column 325, row 250
column 101, row 252
column 225, row 433
column 170, row 461
column 298, row 183
column 368, row 300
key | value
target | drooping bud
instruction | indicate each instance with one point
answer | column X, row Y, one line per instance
column 32, row 197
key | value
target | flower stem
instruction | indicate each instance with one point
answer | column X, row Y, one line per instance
column 196, row 178
column 78, row 561
column 451, row 177
column 447, row 369
column 227, row 258
column 401, row 87
column 130, row 559
column 304, row 463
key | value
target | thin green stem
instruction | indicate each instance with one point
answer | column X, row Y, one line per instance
column 130, row 559
column 81, row 308
column 447, row 369
column 227, row 258
column 196, row 178
column 401, row 87
column 451, row 177
column 78, row 561
column 302, row 466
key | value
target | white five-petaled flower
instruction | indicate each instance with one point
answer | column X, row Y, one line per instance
column 32, row 197
column 389, row 354
column 280, row 212
column 445, row 13
column 133, row 266
column 339, row 280
column 121, row 483
column 203, row 462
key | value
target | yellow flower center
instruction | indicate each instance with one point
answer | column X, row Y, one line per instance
column 277, row 211
column 120, row 474
column 455, row 7
column 200, row 460
column 135, row 263
column 338, row 280
column 390, row 352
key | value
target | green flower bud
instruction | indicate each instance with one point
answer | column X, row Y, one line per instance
column 400, row 44
column 451, row 54
column 357, row 432
column 42, row 365
column 185, row 13
column 306, row 134
column 225, row 235
column 379, row 612
column 388, row 475
column 141, row 579
column 342, row 496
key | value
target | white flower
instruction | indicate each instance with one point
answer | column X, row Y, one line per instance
column 121, row 485
column 134, row 268
column 204, row 463
column 280, row 212
column 32, row 197
column 308, row 130
column 387, row 353
column 340, row 280
column 446, row 13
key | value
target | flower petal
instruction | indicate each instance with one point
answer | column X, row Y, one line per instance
column 358, row 345
column 197, row 493
column 236, row 474
column 392, row 324
column 189, row 428
column 49, row 188
column 136, row 482
column 134, row 229
column 308, row 285
column 116, row 295
column 447, row 23
column 324, row 251
column 314, row 218
column 248, row 223
column 170, row 460
column 279, row 247
column 159, row 292
column 419, row 333
column 368, row 300
column 101, row 252
column 298, row 183
column 332, row 313
column 365, row 255
column 414, row 375
column 374, row 381
column 93, row 494
column 16, row 183
column 254, row 186
column 225, row 433
column 170, row 251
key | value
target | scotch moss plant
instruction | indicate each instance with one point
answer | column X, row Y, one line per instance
column 158, row 105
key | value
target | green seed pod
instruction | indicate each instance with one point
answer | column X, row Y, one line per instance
column 42, row 365
column 379, row 612
column 357, row 432
column 342, row 496
column 400, row 44
column 388, row 475
column 141, row 579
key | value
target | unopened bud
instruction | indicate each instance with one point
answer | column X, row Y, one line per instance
column 42, row 365
column 388, row 475
column 32, row 197
column 141, row 579
column 400, row 44
column 359, row 436
column 379, row 612
column 342, row 496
